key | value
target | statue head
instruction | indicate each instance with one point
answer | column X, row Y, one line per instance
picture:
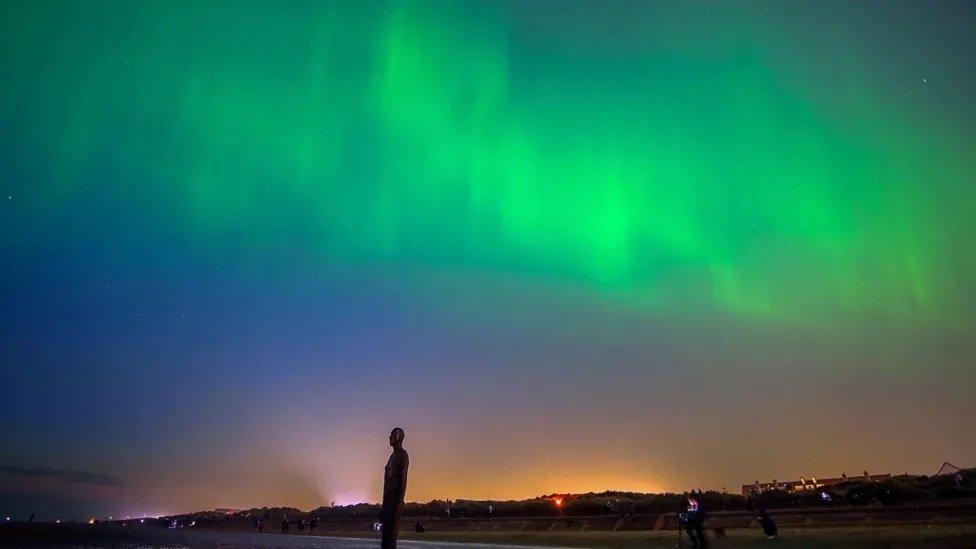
column 396, row 437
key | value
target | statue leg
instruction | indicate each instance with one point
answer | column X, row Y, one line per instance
column 389, row 540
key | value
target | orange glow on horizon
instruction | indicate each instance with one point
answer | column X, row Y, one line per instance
column 531, row 484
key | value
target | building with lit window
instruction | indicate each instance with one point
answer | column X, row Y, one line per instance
column 804, row 483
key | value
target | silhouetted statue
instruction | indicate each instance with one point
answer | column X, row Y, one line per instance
column 394, row 488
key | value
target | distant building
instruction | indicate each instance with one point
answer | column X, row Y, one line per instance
column 947, row 469
column 804, row 484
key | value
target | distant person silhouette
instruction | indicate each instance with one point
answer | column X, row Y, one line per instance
column 694, row 522
column 766, row 522
column 394, row 488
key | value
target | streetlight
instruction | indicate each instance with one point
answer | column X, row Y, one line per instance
column 559, row 505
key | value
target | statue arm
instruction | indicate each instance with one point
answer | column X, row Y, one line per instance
column 402, row 488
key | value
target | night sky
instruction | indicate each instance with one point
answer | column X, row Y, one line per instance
column 568, row 246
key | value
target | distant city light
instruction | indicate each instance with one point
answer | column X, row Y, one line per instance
column 8, row 518
column 91, row 520
column 558, row 502
column 58, row 521
column 142, row 521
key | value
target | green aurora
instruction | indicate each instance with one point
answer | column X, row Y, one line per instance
column 702, row 162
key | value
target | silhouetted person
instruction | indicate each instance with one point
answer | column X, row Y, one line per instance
column 695, row 522
column 767, row 524
column 394, row 488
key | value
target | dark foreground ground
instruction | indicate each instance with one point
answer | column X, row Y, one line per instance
column 902, row 536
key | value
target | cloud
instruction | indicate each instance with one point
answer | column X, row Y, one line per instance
column 63, row 475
